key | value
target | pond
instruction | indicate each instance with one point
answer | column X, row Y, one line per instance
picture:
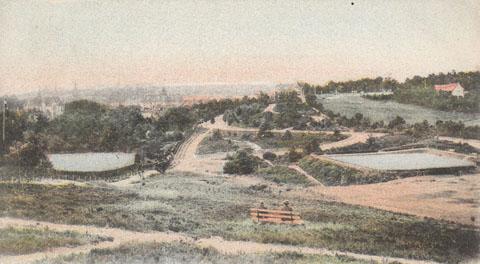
column 350, row 104
column 91, row 162
column 401, row 161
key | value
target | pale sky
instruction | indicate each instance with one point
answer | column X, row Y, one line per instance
column 44, row 44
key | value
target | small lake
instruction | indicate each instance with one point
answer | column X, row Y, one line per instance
column 350, row 104
column 401, row 161
column 91, row 162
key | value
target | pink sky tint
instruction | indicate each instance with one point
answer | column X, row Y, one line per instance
column 47, row 44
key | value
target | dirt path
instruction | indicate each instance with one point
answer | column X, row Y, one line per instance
column 187, row 161
column 354, row 138
column 119, row 237
column 123, row 236
column 309, row 177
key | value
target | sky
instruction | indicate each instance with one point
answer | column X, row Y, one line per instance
column 47, row 44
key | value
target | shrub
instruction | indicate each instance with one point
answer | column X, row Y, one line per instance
column 242, row 162
column 293, row 155
column 311, row 146
column 287, row 135
column 397, row 123
column 217, row 135
column 269, row 156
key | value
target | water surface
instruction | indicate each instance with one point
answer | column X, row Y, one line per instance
column 91, row 162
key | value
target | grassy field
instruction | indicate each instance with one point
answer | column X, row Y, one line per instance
column 349, row 105
column 209, row 146
column 186, row 253
column 19, row 241
column 204, row 206
column 283, row 175
column 64, row 204
column 330, row 174
column 297, row 140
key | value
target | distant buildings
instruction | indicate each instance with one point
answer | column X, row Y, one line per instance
column 454, row 88
column 51, row 107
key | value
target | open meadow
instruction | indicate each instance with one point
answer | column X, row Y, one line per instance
column 350, row 104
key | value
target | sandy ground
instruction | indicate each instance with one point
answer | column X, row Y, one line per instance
column 187, row 161
column 446, row 197
column 121, row 236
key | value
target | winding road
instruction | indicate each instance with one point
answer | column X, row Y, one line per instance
column 186, row 159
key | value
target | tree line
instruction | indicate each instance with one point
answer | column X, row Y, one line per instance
column 417, row 90
column 87, row 126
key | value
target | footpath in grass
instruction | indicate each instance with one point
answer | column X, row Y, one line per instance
column 204, row 206
column 187, row 253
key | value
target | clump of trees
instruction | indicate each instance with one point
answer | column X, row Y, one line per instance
column 357, row 121
column 444, row 101
column 289, row 107
column 362, row 85
column 241, row 162
column 247, row 112
column 457, row 129
column 416, row 90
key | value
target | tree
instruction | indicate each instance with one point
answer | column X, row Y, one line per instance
column 312, row 101
column 397, row 123
column 269, row 156
column 217, row 135
column 242, row 162
column 264, row 130
column 263, row 99
column 287, row 135
column 176, row 118
column 311, row 146
column 32, row 152
column 293, row 155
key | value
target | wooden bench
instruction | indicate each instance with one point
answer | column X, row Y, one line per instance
column 275, row 216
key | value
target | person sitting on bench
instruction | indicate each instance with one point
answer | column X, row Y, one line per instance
column 286, row 206
column 262, row 206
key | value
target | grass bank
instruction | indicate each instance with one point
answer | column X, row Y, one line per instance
column 282, row 175
column 205, row 206
column 19, row 241
column 331, row 174
column 186, row 253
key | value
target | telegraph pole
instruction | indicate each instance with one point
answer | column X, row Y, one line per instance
column 3, row 151
column 3, row 119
